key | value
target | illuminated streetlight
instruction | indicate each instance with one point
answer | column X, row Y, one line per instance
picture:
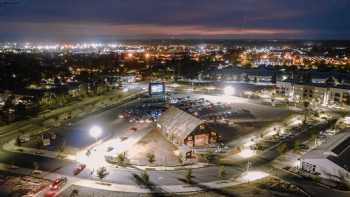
column 229, row 91
column 147, row 55
column 95, row 132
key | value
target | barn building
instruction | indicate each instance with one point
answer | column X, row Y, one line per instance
column 182, row 128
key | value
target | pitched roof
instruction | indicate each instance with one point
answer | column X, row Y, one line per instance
column 337, row 150
column 179, row 123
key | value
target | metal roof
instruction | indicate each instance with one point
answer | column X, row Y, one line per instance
column 178, row 123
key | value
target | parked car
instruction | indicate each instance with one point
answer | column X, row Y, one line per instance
column 133, row 129
column 36, row 172
column 58, row 183
column 79, row 168
column 303, row 146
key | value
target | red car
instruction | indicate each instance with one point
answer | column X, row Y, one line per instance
column 80, row 168
column 56, row 184
column 50, row 193
column 133, row 129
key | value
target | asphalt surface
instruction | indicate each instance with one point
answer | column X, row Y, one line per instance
column 126, row 175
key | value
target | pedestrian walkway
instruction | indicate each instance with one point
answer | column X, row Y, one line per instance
column 12, row 147
column 102, row 185
column 171, row 168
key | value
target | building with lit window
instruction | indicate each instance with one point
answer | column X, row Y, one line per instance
column 326, row 94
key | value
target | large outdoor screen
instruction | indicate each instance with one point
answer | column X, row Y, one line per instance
column 156, row 88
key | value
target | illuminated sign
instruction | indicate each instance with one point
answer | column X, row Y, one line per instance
column 156, row 88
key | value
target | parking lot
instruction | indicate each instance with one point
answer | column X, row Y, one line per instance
column 210, row 111
column 73, row 137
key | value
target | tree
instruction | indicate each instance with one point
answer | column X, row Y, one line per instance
column 35, row 165
column 282, row 148
column 180, row 158
column 151, row 158
column 121, row 158
column 62, row 148
column 189, row 176
column 210, row 156
column 313, row 138
column 102, row 173
column 296, row 145
column 222, row 172
column 74, row 193
column 18, row 141
column 306, row 105
column 145, row 176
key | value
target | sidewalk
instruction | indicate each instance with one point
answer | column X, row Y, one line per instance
column 11, row 147
column 122, row 187
column 172, row 168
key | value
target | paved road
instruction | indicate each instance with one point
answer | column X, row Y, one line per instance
column 124, row 175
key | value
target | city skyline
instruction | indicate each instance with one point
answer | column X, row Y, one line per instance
column 119, row 20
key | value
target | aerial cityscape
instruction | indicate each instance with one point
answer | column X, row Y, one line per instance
column 184, row 98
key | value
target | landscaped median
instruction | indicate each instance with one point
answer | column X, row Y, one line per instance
column 114, row 187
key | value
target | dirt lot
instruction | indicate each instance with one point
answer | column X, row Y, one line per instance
column 11, row 185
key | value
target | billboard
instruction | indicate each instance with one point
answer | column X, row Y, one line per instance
column 156, row 88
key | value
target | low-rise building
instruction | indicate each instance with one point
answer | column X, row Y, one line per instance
column 261, row 74
column 326, row 94
column 331, row 160
column 182, row 128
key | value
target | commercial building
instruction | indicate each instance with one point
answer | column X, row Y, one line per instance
column 326, row 94
column 331, row 160
column 182, row 128
column 256, row 75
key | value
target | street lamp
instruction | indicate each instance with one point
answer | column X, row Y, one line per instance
column 95, row 132
column 229, row 91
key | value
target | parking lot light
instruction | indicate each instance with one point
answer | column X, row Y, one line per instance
column 95, row 132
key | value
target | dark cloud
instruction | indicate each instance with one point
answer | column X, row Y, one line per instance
column 207, row 18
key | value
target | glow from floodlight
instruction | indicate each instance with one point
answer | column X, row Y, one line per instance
column 95, row 132
column 247, row 153
column 347, row 120
column 229, row 91
column 250, row 142
column 254, row 175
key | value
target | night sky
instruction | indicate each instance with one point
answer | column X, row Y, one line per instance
column 75, row 20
